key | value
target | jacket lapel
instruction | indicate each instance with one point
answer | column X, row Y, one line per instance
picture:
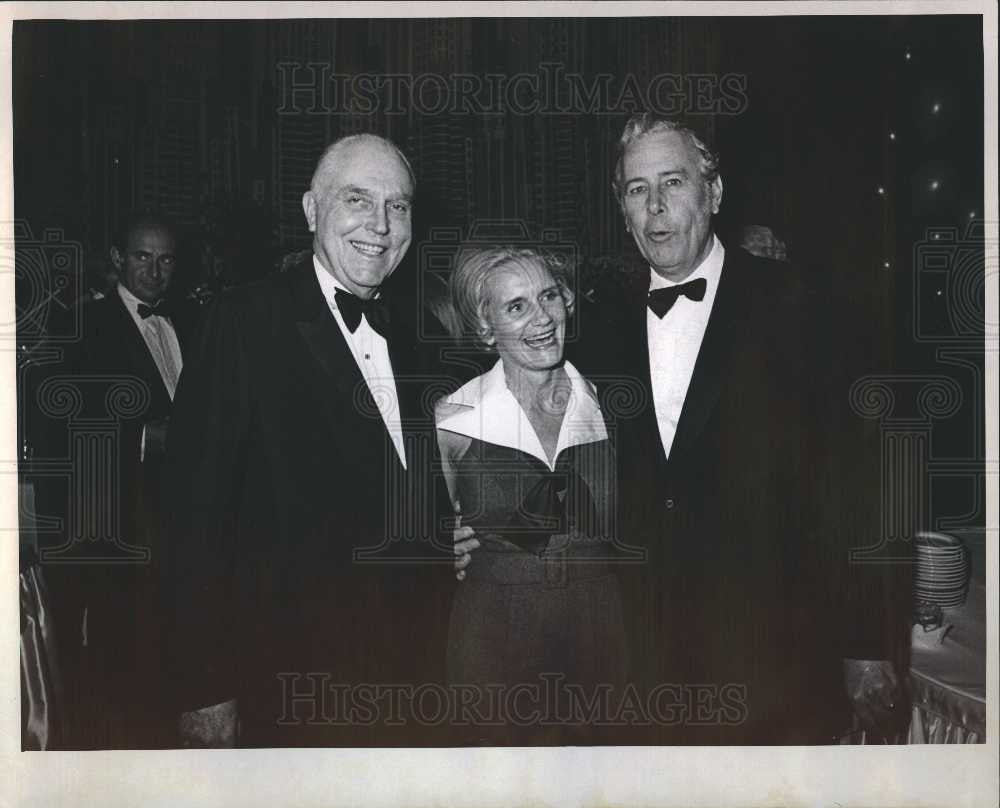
column 712, row 366
column 640, row 434
column 320, row 332
column 343, row 387
column 408, row 373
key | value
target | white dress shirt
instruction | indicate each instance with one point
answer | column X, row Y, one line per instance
column 161, row 339
column 674, row 342
column 371, row 352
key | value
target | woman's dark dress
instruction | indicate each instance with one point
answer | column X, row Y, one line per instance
column 539, row 614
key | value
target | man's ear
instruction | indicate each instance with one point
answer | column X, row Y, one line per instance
column 117, row 259
column 309, row 208
column 715, row 189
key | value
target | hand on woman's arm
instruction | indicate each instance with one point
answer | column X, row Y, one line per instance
column 464, row 544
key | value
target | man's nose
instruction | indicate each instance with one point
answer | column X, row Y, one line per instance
column 655, row 202
column 378, row 221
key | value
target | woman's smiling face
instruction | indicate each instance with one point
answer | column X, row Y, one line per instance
column 525, row 316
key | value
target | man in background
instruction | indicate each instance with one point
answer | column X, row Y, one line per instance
column 126, row 365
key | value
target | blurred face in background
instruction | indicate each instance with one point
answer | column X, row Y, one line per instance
column 147, row 263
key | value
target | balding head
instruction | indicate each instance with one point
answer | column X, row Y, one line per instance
column 358, row 207
column 341, row 150
column 145, row 256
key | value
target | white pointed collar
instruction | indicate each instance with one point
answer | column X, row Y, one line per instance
column 488, row 411
column 131, row 302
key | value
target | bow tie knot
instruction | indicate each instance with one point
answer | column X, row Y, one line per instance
column 375, row 311
column 159, row 309
column 660, row 301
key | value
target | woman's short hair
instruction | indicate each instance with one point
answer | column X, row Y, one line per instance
column 474, row 265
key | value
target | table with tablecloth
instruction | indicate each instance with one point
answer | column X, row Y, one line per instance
column 948, row 665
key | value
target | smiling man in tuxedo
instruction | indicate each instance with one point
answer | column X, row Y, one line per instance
column 294, row 454
column 723, row 476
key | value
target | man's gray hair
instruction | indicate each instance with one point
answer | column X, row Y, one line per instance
column 647, row 123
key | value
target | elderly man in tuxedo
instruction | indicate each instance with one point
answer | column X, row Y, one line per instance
column 745, row 614
column 297, row 481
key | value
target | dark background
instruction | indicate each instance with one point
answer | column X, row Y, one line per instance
column 192, row 118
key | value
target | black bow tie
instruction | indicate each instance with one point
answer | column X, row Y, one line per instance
column 660, row 301
column 374, row 309
column 161, row 309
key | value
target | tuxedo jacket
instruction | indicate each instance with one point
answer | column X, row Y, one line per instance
column 107, row 599
column 745, row 587
column 112, row 346
column 300, row 547
column 111, row 350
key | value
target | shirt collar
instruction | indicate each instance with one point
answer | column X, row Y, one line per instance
column 710, row 269
column 327, row 283
column 488, row 411
column 131, row 302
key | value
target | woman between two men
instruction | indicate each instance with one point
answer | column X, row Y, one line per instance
column 537, row 618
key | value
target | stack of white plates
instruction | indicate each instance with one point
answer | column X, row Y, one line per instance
column 942, row 571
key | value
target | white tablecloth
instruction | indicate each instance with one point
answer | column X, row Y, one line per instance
column 948, row 675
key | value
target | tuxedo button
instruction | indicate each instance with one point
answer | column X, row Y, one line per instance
column 669, row 504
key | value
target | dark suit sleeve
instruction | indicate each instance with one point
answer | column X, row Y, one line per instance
column 205, row 448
